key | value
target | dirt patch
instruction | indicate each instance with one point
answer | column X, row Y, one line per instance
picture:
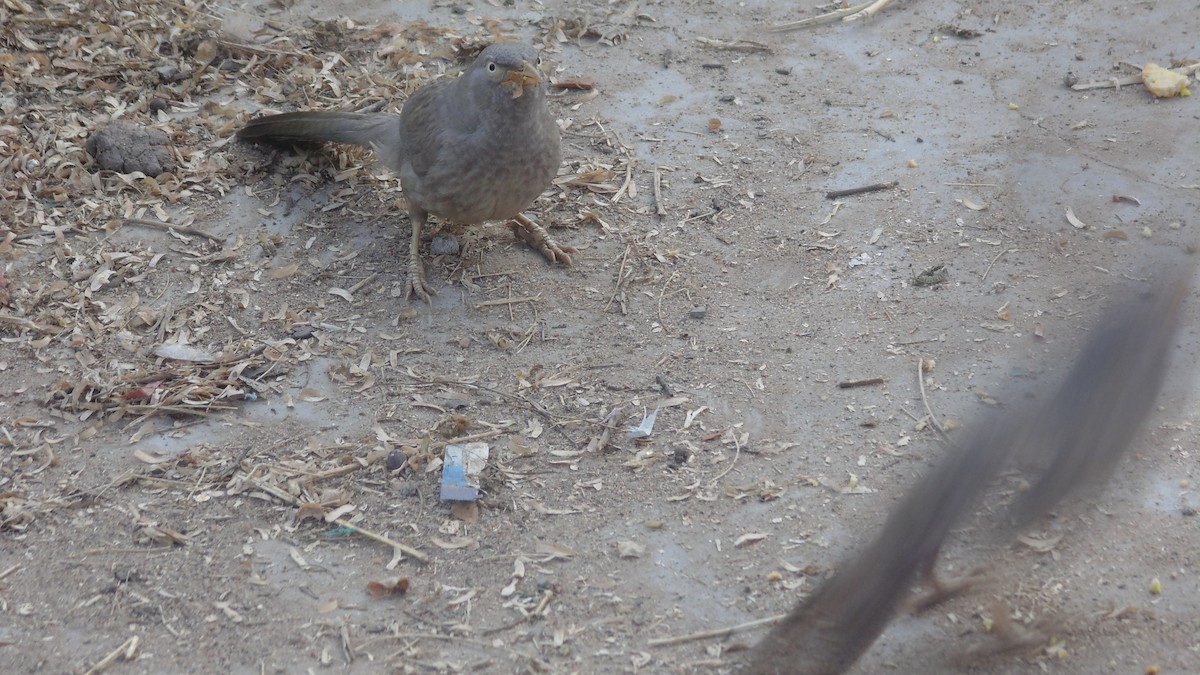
column 167, row 500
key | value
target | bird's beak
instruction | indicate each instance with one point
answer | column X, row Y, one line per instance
column 520, row 81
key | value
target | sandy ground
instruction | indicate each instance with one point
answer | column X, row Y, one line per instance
column 738, row 294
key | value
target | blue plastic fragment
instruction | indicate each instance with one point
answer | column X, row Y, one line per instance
column 461, row 465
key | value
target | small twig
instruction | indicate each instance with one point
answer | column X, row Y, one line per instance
column 737, row 450
column 371, row 458
column 1118, row 82
column 546, row 598
column 989, row 267
column 293, row 501
column 126, row 650
column 1111, row 83
column 508, row 301
column 850, row 384
column 918, row 342
column 554, row 422
column 859, row 190
column 734, row 45
column 925, row 400
column 716, row 632
column 870, row 11
column 167, row 227
column 355, row 288
column 606, row 425
column 662, row 294
column 828, row 17
column 23, row 323
column 629, row 162
column 407, row 550
column 658, row 200
column 620, row 278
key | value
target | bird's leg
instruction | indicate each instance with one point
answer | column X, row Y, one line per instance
column 1011, row 634
column 416, row 271
column 941, row 590
column 540, row 240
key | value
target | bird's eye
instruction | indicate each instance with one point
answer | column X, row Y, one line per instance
column 539, row 60
column 491, row 67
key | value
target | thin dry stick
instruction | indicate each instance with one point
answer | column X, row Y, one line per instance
column 662, row 294
column 1117, row 83
column 126, row 649
column 371, row 458
column 850, row 384
column 716, row 632
column 435, row 636
column 467, row 439
column 818, row 20
column 289, row 499
column 925, row 400
column 23, row 323
column 989, row 267
column 607, row 425
column 620, row 278
column 737, row 450
column 875, row 8
column 874, row 187
column 407, row 550
column 554, row 421
column 629, row 162
column 355, row 288
column 167, row 227
column 658, row 200
column 508, row 301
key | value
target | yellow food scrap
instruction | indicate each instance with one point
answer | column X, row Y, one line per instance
column 1164, row 83
column 1155, row 586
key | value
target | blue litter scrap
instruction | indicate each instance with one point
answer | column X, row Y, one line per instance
column 461, row 466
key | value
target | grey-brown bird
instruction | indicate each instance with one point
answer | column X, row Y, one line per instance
column 1084, row 428
column 472, row 149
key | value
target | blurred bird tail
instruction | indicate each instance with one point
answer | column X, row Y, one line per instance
column 379, row 131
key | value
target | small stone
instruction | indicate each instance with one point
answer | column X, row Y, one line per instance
column 125, row 147
column 1188, row 511
column 698, row 313
column 443, row 244
column 395, row 460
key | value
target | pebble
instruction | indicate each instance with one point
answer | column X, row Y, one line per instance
column 443, row 245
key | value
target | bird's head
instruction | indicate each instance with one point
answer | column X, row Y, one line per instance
column 514, row 67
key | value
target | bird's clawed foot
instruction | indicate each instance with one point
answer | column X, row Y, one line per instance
column 540, row 240
column 416, row 284
column 1010, row 635
column 941, row 590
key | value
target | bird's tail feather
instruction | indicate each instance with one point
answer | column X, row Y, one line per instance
column 365, row 129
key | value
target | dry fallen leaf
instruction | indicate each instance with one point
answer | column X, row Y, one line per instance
column 749, row 538
column 1075, row 222
column 630, row 549
column 468, row 512
column 380, row 589
column 554, row 551
column 1040, row 544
